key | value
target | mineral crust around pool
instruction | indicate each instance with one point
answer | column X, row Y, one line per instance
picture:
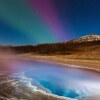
column 18, row 87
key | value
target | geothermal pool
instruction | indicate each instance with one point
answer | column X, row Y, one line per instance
column 60, row 79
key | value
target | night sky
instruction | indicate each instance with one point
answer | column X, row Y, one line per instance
column 30, row 22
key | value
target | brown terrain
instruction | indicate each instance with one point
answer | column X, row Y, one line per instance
column 84, row 51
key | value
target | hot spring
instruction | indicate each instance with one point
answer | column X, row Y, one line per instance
column 61, row 80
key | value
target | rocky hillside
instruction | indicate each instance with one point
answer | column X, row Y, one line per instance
column 89, row 44
column 87, row 38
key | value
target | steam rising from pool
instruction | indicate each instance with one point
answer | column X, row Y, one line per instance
column 68, row 82
column 52, row 78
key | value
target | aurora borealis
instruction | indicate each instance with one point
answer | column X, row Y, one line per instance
column 25, row 22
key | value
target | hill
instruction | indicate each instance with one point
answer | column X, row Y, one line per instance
column 89, row 44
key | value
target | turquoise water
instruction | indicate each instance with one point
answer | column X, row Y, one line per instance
column 62, row 80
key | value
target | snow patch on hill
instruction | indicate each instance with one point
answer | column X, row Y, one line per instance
column 87, row 38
